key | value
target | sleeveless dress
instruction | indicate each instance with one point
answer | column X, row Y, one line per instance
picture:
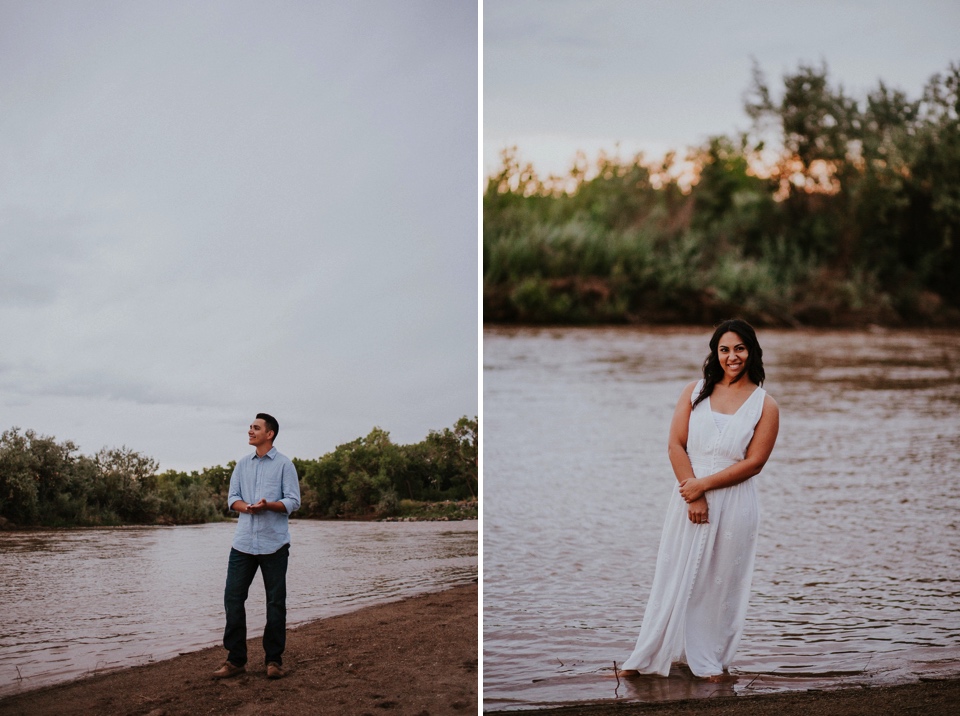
column 698, row 601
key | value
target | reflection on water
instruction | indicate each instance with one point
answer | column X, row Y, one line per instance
column 858, row 563
column 77, row 601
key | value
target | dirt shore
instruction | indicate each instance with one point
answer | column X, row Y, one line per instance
column 417, row 657
column 929, row 698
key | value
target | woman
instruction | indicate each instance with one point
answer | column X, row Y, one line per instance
column 723, row 431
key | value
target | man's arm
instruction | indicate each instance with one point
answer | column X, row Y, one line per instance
column 290, row 487
column 235, row 501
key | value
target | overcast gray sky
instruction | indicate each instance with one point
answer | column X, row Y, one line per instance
column 209, row 209
column 562, row 75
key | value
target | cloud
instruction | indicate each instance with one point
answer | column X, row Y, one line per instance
column 673, row 74
column 211, row 207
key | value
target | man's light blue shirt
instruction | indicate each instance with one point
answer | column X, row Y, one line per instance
column 273, row 478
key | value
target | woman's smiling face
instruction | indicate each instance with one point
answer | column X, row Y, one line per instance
column 732, row 353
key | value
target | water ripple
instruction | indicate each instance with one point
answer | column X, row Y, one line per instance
column 77, row 601
column 857, row 577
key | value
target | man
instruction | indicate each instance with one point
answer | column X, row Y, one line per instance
column 264, row 491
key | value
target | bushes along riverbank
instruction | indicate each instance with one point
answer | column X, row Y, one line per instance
column 45, row 483
column 830, row 211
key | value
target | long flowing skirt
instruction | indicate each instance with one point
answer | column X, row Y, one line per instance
column 698, row 601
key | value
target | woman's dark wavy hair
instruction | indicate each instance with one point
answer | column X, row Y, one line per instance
column 713, row 371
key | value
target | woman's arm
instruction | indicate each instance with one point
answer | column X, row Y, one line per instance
column 758, row 452
column 677, row 442
column 677, row 451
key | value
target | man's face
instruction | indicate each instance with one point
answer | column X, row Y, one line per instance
column 258, row 434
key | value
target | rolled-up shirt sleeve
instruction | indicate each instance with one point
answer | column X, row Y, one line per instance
column 234, row 494
column 290, row 487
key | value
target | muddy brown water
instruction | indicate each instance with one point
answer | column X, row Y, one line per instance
column 75, row 602
column 858, row 564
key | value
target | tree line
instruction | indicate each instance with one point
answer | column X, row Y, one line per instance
column 48, row 483
column 830, row 210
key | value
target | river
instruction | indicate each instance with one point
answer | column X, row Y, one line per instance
column 858, row 563
column 75, row 602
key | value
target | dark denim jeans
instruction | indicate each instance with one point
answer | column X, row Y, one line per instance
column 240, row 573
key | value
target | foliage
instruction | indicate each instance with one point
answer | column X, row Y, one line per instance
column 411, row 510
column 830, row 210
column 43, row 482
column 371, row 476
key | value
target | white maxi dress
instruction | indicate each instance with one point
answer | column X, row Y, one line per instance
column 698, row 601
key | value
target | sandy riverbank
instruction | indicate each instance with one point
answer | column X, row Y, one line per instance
column 929, row 698
column 417, row 657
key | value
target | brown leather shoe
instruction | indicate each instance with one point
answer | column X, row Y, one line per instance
column 227, row 670
column 274, row 671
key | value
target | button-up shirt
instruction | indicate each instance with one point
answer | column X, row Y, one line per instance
column 273, row 478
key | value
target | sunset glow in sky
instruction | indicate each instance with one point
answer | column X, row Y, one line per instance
column 653, row 76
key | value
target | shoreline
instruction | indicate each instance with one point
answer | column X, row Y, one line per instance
column 931, row 697
column 10, row 528
column 866, row 327
column 410, row 656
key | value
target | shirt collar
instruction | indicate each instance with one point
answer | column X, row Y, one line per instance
column 271, row 454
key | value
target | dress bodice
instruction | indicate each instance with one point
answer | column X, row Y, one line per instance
column 712, row 449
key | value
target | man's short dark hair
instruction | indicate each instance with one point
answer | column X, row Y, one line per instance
column 270, row 422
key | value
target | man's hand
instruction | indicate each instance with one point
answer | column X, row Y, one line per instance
column 257, row 507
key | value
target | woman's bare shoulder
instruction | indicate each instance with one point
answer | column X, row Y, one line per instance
column 770, row 405
column 688, row 389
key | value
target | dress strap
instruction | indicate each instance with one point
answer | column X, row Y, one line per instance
column 696, row 391
column 756, row 410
